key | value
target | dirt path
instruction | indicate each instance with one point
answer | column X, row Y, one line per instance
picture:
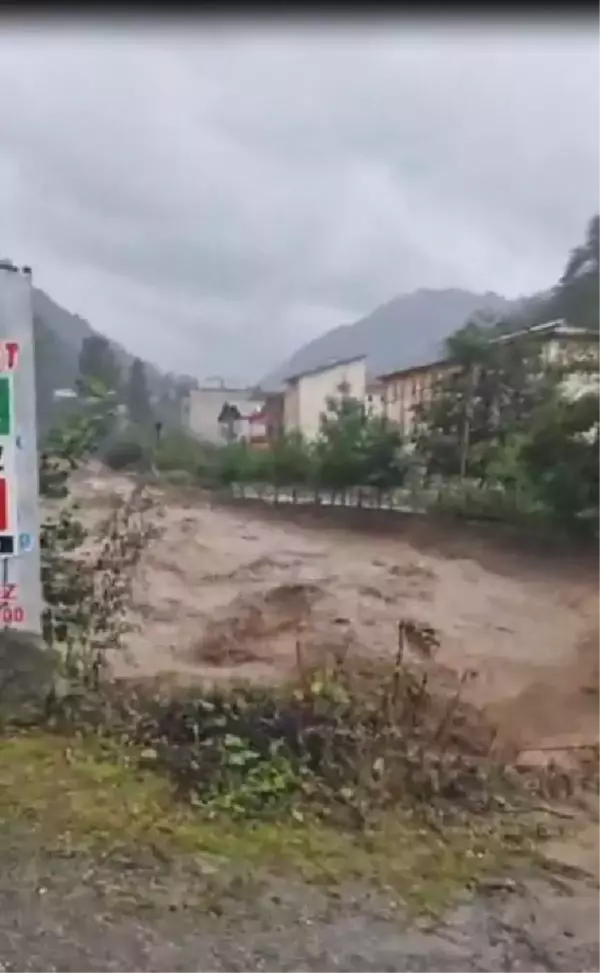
column 538, row 930
column 226, row 593
column 69, row 914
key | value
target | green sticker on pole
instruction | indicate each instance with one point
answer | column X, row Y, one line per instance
column 5, row 405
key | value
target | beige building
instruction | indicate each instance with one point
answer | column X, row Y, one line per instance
column 405, row 390
column 563, row 344
column 375, row 398
column 306, row 394
column 559, row 343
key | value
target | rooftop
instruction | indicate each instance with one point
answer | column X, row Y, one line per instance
column 326, row 367
column 558, row 327
column 434, row 360
column 247, row 393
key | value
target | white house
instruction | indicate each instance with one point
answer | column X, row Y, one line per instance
column 306, row 394
column 204, row 406
column 237, row 427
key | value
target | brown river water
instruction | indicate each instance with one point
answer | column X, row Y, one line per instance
column 229, row 593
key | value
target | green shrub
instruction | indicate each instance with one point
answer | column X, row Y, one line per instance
column 127, row 452
column 176, row 450
column 343, row 739
column 238, row 463
column 492, row 501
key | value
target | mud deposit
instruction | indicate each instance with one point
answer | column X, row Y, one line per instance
column 228, row 594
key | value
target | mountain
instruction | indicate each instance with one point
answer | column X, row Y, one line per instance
column 71, row 330
column 406, row 331
column 59, row 335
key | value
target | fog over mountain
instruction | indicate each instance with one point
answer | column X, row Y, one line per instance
column 409, row 330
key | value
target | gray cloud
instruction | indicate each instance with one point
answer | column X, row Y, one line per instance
column 214, row 196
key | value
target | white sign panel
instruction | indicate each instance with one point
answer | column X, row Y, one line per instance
column 20, row 586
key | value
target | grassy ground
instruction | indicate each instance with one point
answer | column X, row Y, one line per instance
column 83, row 796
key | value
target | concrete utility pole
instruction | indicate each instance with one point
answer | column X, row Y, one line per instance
column 20, row 581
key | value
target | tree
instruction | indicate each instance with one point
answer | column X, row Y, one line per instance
column 138, row 397
column 385, row 463
column 584, row 259
column 172, row 393
column 355, row 448
column 289, row 462
column 576, row 295
column 488, row 395
column 54, row 370
column 98, row 362
column 561, row 456
column 339, row 448
column 236, row 462
column 228, row 418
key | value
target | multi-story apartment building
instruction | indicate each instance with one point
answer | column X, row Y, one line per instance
column 406, row 389
column 559, row 343
column 562, row 344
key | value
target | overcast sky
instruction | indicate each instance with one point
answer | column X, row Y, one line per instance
column 215, row 196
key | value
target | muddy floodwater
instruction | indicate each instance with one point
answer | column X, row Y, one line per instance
column 228, row 593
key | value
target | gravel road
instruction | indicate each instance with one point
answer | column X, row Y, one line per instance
column 65, row 914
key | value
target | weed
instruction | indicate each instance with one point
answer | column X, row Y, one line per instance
column 89, row 797
column 87, row 592
column 343, row 742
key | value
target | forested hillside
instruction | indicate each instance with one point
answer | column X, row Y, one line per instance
column 576, row 295
column 59, row 339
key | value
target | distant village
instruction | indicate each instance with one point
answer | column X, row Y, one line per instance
column 217, row 413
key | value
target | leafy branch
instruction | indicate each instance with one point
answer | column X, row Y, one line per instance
column 86, row 590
